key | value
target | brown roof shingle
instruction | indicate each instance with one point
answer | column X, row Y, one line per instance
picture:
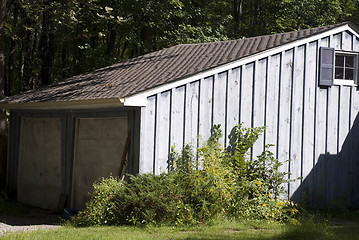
column 157, row 68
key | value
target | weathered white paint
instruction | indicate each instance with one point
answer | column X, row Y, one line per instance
column 347, row 41
column 272, row 103
column 259, row 101
column 337, row 41
column 246, row 101
column 191, row 110
column 297, row 119
column 332, row 141
column 356, row 44
column 309, row 114
column 148, row 126
column 320, row 136
column 344, row 115
column 163, row 129
column 285, row 97
column 219, row 101
column 343, row 135
column 143, row 159
column 308, row 124
column 177, row 116
column 205, row 113
column 233, row 100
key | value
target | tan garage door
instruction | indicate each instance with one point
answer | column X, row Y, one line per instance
column 99, row 143
column 39, row 172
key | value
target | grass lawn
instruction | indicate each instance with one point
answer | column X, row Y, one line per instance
column 342, row 225
column 224, row 230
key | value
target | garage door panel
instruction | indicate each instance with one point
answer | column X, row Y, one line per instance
column 101, row 128
column 99, row 149
column 39, row 172
column 99, row 145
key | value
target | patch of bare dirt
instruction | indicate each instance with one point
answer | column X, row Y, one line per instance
column 34, row 219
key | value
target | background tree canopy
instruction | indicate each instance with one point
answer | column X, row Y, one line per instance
column 49, row 40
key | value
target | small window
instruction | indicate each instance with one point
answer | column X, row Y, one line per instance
column 345, row 68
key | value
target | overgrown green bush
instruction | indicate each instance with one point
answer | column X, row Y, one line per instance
column 148, row 198
column 206, row 182
column 258, row 182
column 200, row 186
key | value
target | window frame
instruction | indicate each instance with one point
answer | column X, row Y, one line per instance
column 346, row 82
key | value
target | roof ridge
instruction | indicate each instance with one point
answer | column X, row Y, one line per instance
column 324, row 27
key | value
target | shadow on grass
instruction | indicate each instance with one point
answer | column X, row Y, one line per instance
column 17, row 214
column 347, row 231
column 286, row 232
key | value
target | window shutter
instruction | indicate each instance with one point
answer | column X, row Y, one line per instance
column 326, row 66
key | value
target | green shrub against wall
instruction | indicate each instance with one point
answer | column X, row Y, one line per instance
column 200, row 186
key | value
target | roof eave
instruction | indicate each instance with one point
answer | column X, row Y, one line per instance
column 78, row 104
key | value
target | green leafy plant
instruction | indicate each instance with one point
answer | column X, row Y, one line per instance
column 240, row 141
column 147, row 199
column 199, row 187
column 207, row 182
column 258, row 181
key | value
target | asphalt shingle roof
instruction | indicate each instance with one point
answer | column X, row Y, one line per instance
column 157, row 68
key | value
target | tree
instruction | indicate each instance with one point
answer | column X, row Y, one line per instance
column 48, row 41
column 3, row 132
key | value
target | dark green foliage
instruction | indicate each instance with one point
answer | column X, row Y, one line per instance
column 147, row 199
column 240, row 141
column 257, row 182
column 182, row 163
column 198, row 188
column 48, row 41
column 206, row 184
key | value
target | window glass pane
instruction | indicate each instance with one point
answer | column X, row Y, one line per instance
column 345, row 66
column 349, row 74
column 339, row 73
column 339, row 60
column 349, row 61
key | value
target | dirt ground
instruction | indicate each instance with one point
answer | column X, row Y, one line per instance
column 35, row 219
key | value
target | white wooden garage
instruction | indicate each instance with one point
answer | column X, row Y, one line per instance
column 301, row 85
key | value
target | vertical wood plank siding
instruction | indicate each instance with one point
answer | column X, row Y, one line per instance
column 219, row 101
column 205, row 113
column 191, row 109
column 297, row 119
column 316, row 128
column 259, row 94
column 233, row 91
column 163, row 129
column 148, row 129
column 177, row 116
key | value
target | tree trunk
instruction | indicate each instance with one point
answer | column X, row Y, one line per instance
column 46, row 46
column 12, row 85
column 111, row 40
column 237, row 14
